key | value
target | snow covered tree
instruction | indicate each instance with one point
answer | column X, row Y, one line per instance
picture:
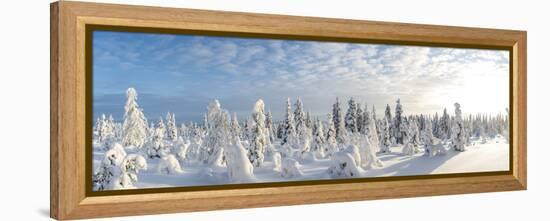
column 458, row 134
column 97, row 130
column 106, row 133
column 246, row 131
column 134, row 128
column 161, row 128
column 338, row 122
column 386, row 139
column 318, row 139
column 331, row 143
column 129, row 170
column 427, row 135
column 217, row 136
column 171, row 126
column 361, row 127
column 299, row 115
column 344, row 165
column 303, row 133
column 398, row 121
column 372, row 134
column 156, row 146
column 288, row 126
column 239, row 168
column 351, row 116
column 269, row 127
column 367, row 119
column 309, row 121
column 414, row 132
column 109, row 169
column 235, row 127
column 169, row 165
column 259, row 139
column 444, row 127
column 367, row 149
column 389, row 119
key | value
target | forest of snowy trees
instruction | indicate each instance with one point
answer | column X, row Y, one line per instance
column 346, row 142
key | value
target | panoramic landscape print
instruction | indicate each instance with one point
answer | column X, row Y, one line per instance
column 189, row 110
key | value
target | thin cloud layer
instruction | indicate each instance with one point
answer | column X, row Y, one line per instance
column 183, row 73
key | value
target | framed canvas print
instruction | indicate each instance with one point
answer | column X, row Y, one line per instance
column 159, row 110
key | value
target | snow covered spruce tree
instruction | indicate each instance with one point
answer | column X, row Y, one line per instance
column 368, row 144
column 235, row 127
column 338, row 122
column 360, row 119
column 239, row 168
column 309, row 121
column 351, row 116
column 427, row 134
column 414, row 132
column 171, row 126
column 259, row 139
column 318, row 139
column 458, row 134
column 288, row 127
column 302, row 131
column 372, row 134
column 106, row 132
column 386, row 138
column 109, row 169
column 365, row 121
column 217, row 134
column 129, row 170
column 389, row 119
column 399, row 129
column 444, row 127
column 331, row 146
column 156, row 144
column 269, row 127
column 134, row 128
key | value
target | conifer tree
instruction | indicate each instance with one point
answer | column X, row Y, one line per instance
column 458, row 134
column 351, row 116
column 259, row 139
column 338, row 122
column 399, row 129
column 134, row 128
column 331, row 142
column 318, row 139
column 288, row 126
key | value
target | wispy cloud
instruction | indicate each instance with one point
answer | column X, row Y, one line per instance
column 239, row 71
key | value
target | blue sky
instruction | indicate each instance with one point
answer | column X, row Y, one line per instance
column 183, row 73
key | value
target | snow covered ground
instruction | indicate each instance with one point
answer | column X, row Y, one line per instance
column 479, row 157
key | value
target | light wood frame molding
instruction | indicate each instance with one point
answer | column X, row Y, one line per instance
column 68, row 196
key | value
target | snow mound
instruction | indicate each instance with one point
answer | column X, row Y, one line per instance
column 290, row 168
column 343, row 164
column 436, row 148
column 169, row 165
column 276, row 157
column 239, row 168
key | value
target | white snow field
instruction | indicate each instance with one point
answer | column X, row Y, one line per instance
column 490, row 156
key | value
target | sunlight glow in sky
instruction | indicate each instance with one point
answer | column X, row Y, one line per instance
column 183, row 73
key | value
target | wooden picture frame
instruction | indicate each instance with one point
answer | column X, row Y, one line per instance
column 69, row 198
